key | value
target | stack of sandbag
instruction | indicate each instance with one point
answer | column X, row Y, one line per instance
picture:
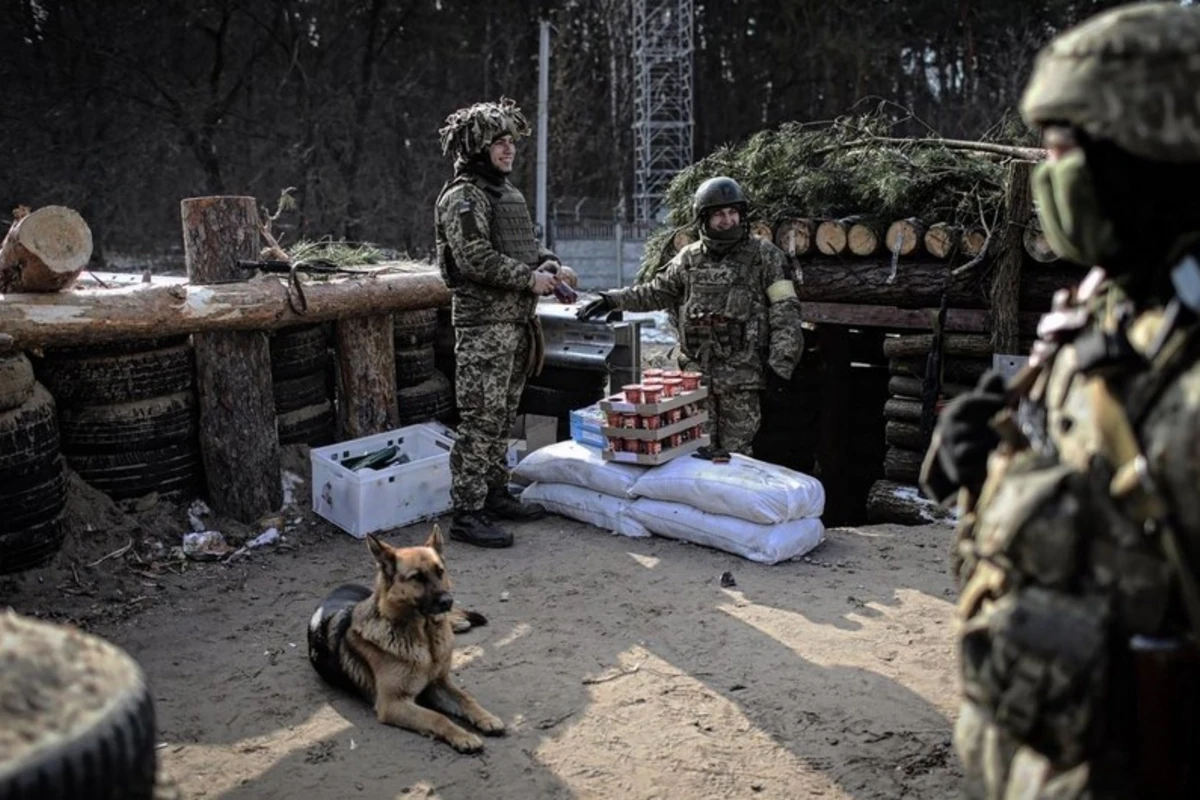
column 760, row 511
column 572, row 480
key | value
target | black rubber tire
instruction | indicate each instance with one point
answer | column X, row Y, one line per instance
column 29, row 548
column 571, row 379
column 430, row 400
column 556, row 402
column 414, row 365
column 299, row 351
column 137, row 425
column 136, row 473
column 411, row 328
column 28, row 435
column 104, row 380
column 36, row 500
column 120, row 348
column 296, row 393
column 105, row 754
column 314, row 425
column 16, row 380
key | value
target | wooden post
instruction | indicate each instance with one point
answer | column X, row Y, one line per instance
column 238, row 438
column 834, row 437
column 1005, row 290
column 366, row 376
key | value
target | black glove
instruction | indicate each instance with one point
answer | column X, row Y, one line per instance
column 595, row 308
column 966, row 438
column 776, row 382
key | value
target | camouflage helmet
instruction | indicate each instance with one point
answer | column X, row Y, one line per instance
column 1129, row 76
column 471, row 130
column 717, row 193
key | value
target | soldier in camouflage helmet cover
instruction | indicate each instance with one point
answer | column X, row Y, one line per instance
column 491, row 260
column 1078, row 481
column 737, row 312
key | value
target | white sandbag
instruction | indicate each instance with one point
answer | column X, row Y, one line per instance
column 745, row 487
column 766, row 544
column 570, row 462
column 595, row 508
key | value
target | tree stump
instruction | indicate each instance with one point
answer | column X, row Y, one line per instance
column 238, row 438
column 44, row 251
column 366, row 376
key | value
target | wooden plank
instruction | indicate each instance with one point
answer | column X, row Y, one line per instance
column 238, row 439
column 959, row 320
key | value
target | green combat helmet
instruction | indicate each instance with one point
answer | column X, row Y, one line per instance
column 717, row 193
column 471, row 130
column 1130, row 76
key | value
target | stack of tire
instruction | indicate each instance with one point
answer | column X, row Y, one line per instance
column 128, row 416
column 302, row 374
column 423, row 391
column 33, row 481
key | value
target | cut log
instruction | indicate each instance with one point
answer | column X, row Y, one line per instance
column 906, row 435
column 238, row 438
column 148, row 311
column 953, row 344
column 366, row 376
column 919, row 284
column 859, row 315
column 965, row 371
column 907, row 386
column 1038, row 247
column 44, row 251
column 972, row 241
column 942, row 239
column 902, row 466
column 832, row 236
column 761, row 230
column 902, row 504
column 794, row 236
column 900, row 409
column 864, row 237
column 1005, row 282
column 905, row 236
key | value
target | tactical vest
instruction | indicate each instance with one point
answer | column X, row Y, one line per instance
column 717, row 318
column 1065, row 561
column 511, row 229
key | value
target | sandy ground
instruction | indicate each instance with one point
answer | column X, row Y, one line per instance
column 622, row 667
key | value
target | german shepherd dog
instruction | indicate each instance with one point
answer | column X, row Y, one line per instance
column 393, row 645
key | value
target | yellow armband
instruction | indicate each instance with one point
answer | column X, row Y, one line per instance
column 780, row 291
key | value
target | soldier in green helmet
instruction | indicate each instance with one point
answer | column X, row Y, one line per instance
column 496, row 270
column 736, row 310
column 1078, row 481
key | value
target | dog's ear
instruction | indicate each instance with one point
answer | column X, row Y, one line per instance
column 435, row 540
column 383, row 554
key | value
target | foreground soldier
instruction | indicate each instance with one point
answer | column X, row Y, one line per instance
column 734, row 305
column 1080, row 481
column 489, row 258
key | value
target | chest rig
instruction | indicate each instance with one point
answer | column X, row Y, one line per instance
column 717, row 317
column 509, row 224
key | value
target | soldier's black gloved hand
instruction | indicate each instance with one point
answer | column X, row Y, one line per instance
column 966, row 438
column 776, row 383
column 595, row 308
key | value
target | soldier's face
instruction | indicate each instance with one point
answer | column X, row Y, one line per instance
column 502, row 152
column 724, row 219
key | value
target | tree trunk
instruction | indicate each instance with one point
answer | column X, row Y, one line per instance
column 238, row 438
column 44, row 251
column 864, row 237
column 902, row 504
column 147, row 311
column 794, row 236
column 366, row 376
column 905, row 235
column 832, row 236
column 918, row 284
column 902, row 466
column 1004, row 291
column 942, row 239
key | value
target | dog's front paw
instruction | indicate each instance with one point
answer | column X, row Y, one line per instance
column 465, row 742
column 490, row 725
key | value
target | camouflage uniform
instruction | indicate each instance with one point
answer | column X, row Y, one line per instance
column 487, row 253
column 735, row 311
column 1077, row 556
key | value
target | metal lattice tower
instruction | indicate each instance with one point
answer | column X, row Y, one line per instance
column 662, row 100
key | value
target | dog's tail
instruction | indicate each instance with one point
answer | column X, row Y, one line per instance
column 462, row 620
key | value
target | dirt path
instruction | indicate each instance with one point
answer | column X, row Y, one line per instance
column 622, row 667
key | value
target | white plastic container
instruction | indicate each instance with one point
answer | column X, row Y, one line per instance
column 371, row 500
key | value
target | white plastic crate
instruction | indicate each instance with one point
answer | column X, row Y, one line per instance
column 372, row 500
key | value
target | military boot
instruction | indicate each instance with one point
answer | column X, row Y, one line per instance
column 717, row 455
column 477, row 528
column 503, row 505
